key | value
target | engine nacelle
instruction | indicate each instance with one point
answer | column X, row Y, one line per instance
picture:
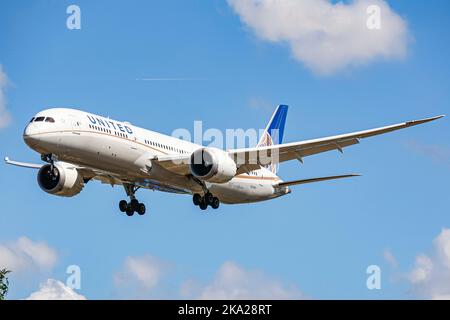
column 212, row 165
column 63, row 181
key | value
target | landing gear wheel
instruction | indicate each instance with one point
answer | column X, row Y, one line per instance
column 209, row 198
column 134, row 204
column 129, row 211
column 123, row 205
column 215, row 203
column 196, row 199
column 141, row 209
column 203, row 205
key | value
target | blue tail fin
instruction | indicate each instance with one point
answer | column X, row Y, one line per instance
column 275, row 128
column 273, row 134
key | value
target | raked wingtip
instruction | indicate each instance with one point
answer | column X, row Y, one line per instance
column 437, row 117
column 425, row 120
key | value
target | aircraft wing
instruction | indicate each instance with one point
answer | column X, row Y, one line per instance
column 23, row 164
column 249, row 159
column 178, row 164
column 108, row 178
column 113, row 179
column 87, row 173
column 255, row 157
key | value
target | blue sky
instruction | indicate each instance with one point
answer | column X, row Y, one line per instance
column 316, row 242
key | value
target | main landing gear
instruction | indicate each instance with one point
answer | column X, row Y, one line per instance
column 207, row 200
column 134, row 205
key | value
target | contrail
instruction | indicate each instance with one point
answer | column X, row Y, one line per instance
column 170, row 79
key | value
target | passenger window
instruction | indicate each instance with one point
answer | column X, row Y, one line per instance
column 50, row 119
column 39, row 119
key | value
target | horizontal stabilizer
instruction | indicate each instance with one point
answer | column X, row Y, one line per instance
column 304, row 181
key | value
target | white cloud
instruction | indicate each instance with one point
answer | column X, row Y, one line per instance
column 326, row 36
column 441, row 297
column 24, row 255
column 235, row 282
column 390, row 258
column 261, row 104
column 145, row 271
column 430, row 277
column 422, row 270
column 438, row 153
column 55, row 290
column 5, row 116
column 146, row 277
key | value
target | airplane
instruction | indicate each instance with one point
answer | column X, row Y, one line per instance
column 77, row 147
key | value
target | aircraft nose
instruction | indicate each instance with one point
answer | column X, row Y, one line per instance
column 30, row 135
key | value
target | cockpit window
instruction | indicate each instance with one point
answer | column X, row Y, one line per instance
column 32, row 119
column 49, row 119
column 39, row 119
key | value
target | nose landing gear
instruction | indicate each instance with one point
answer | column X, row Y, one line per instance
column 207, row 200
column 134, row 205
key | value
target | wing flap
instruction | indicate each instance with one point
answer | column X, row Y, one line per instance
column 301, row 152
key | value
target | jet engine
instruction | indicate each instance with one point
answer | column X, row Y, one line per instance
column 61, row 180
column 212, row 165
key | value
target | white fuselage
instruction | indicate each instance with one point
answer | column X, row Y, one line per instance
column 125, row 151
